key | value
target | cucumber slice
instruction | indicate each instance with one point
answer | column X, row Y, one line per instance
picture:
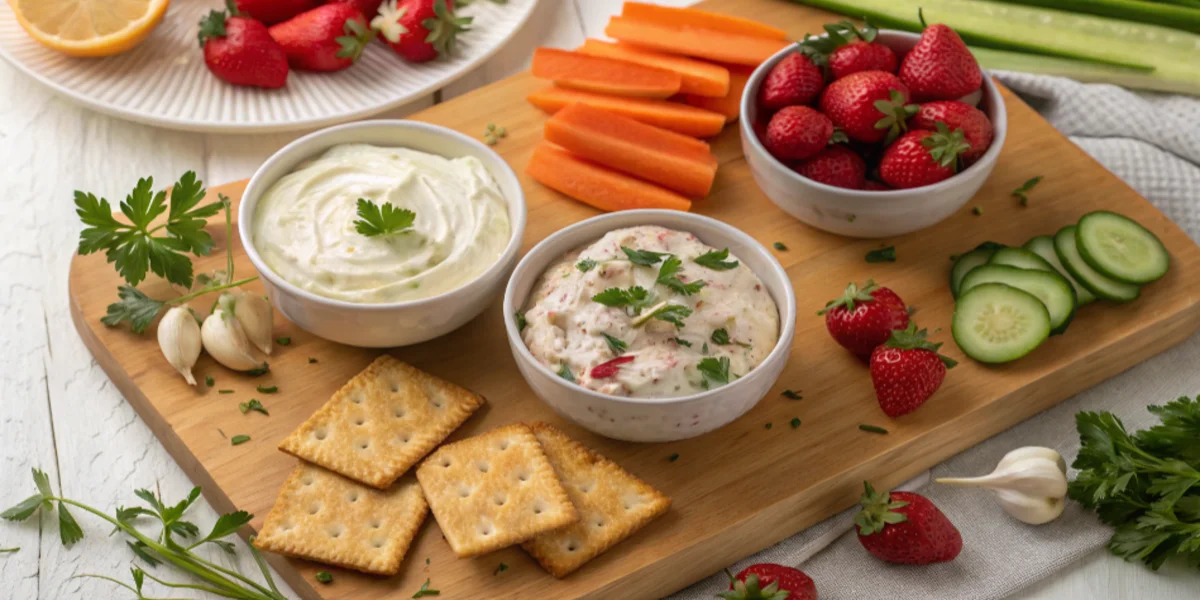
column 1120, row 248
column 1043, row 246
column 1051, row 288
column 1020, row 258
column 997, row 323
column 1101, row 286
column 964, row 264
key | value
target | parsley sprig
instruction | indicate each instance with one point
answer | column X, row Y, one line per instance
column 374, row 220
column 715, row 260
column 667, row 275
column 714, row 370
column 644, row 258
column 635, row 298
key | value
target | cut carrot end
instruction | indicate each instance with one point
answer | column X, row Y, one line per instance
column 701, row 19
column 674, row 116
column 597, row 186
column 723, row 47
column 731, row 104
column 696, row 76
column 604, row 75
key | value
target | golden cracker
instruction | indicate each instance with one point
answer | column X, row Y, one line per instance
column 326, row 518
column 612, row 504
column 382, row 422
column 494, row 490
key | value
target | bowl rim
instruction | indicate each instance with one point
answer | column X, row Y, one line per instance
column 787, row 310
column 998, row 115
column 517, row 225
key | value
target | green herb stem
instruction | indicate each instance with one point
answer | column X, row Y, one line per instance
column 203, row 291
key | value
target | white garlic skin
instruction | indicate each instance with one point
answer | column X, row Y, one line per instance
column 226, row 341
column 255, row 315
column 1030, row 483
column 179, row 340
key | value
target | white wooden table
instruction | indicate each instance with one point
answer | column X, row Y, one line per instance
column 58, row 410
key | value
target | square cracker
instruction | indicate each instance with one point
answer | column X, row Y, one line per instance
column 382, row 422
column 326, row 518
column 494, row 490
column 612, row 504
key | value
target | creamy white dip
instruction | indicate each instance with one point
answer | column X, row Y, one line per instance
column 304, row 224
column 565, row 327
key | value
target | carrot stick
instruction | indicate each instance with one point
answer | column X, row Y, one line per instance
column 696, row 76
column 596, row 186
column 604, row 75
column 677, row 117
column 720, row 46
column 731, row 104
column 700, row 19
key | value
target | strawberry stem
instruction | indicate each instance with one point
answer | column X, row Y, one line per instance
column 358, row 35
column 945, row 146
column 444, row 28
column 853, row 294
column 911, row 338
column 895, row 115
column 878, row 511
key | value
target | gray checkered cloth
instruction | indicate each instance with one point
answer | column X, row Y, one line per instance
column 1152, row 141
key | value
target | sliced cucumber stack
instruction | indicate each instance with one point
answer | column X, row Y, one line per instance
column 1101, row 286
column 1054, row 291
column 965, row 264
column 1020, row 258
column 1043, row 246
column 1121, row 249
column 997, row 323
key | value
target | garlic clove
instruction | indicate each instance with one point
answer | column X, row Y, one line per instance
column 1034, row 510
column 1033, row 452
column 179, row 340
column 1030, row 484
column 226, row 341
column 254, row 313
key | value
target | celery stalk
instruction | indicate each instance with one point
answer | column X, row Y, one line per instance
column 1168, row 15
column 1087, row 72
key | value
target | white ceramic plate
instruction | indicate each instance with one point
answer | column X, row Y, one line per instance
column 164, row 82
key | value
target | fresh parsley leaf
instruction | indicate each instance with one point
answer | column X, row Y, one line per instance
column 1021, row 193
column 133, row 306
column 373, row 220
column 683, row 342
column 586, row 265
column 882, row 255
column 227, row 525
column 795, row 422
column 714, row 370
column 521, row 322
column 780, row 247
column 262, row 389
column 238, row 440
column 324, row 577
column 565, row 372
column 704, row 349
column 253, row 405
column 140, row 549
column 283, row 341
column 500, row 569
column 643, row 258
column 715, row 260
column 259, row 371
column 672, row 313
column 68, row 529
column 720, row 336
column 425, row 591
column 209, row 381
column 873, row 429
column 615, row 344
column 635, row 297
column 667, row 276
column 790, row 395
column 24, row 509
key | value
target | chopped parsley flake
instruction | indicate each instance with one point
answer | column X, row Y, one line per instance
column 673, row 314
column 521, row 322
column 312, row 360
column 262, row 389
column 643, row 258
column 224, row 391
column 683, row 342
column 636, row 297
column 565, row 372
column 253, row 405
column 500, row 569
column 209, row 381
column 715, row 260
column 283, row 341
column 720, row 336
column 882, row 255
column 425, row 591
column 667, row 276
column 780, row 247
column 238, row 440
column 872, row 429
column 324, row 577
column 615, row 344
column 790, row 395
column 586, row 265
column 714, row 370
column 795, row 422
column 674, row 457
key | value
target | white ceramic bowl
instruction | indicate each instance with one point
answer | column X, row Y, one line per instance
column 857, row 213
column 396, row 323
column 652, row 419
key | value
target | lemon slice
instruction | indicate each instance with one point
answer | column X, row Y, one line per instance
column 89, row 27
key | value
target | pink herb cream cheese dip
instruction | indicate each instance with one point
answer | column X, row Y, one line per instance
column 649, row 312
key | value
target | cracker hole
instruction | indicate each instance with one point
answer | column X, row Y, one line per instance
column 307, row 481
column 395, row 388
column 463, row 492
column 286, row 526
column 599, row 523
column 357, row 398
column 523, row 477
column 362, row 444
column 334, row 531
column 483, row 467
column 570, row 546
column 585, row 488
column 500, row 500
column 398, row 412
column 539, row 507
column 445, row 462
column 503, row 445
column 378, row 542
column 314, row 508
column 485, row 530
column 320, row 434
column 375, row 523
column 360, row 421
column 352, row 496
column 404, row 437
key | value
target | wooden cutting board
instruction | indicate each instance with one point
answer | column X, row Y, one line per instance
column 736, row 490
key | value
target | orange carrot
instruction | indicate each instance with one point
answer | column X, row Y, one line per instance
column 677, row 117
column 696, row 76
column 700, row 19
column 731, row 104
column 604, row 75
column 720, row 46
column 596, row 186
column 669, row 159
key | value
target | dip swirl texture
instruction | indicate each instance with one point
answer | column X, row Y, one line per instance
column 304, row 224
column 566, row 328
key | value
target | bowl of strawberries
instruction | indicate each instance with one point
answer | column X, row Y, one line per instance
column 871, row 133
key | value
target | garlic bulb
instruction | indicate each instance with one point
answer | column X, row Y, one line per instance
column 1030, row 483
column 179, row 340
column 253, row 312
column 225, row 339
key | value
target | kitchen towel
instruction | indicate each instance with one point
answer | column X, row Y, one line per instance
column 1152, row 141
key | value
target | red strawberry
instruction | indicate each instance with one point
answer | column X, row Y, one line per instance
column 240, row 50
column 326, row 38
column 846, row 49
column 836, row 165
column 765, row 581
column 797, row 132
column 922, row 157
column 795, row 80
column 420, row 30
column 940, row 67
column 871, row 185
column 907, row 370
column 868, row 105
column 863, row 318
column 369, row 8
column 976, row 127
column 905, row 528
column 271, row 12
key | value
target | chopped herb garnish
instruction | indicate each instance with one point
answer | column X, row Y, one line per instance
column 312, row 360
column 780, row 247
column 426, row 560
column 644, row 258
column 795, row 422
column 8, row 550
column 283, row 340
column 882, row 255
column 667, row 276
column 500, row 569
column 851, row 218
column 672, row 313
column 767, row 426
column 263, row 370
column 253, row 405
column 373, row 220
column 239, row 439
column 715, row 260
column 267, row 390
column 565, row 372
column 720, row 336
column 425, row 591
column 615, row 344
column 714, row 370
column 683, row 342
column 1021, row 192
column 635, row 297
column 521, row 323
column 224, row 391
column 209, row 381
column 492, row 134
column 790, row 395
column 586, row 265
column 324, row 577
column 977, row 211
column 872, row 429
column 674, row 457
column 704, row 349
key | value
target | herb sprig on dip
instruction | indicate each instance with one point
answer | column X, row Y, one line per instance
column 374, row 220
